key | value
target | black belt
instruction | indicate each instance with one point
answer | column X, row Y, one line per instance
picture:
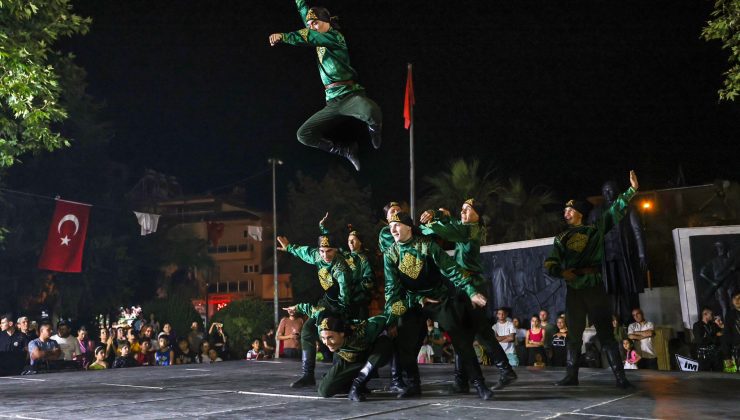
column 342, row 83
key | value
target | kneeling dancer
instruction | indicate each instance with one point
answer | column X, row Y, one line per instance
column 419, row 267
column 359, row 348
column 576, row 257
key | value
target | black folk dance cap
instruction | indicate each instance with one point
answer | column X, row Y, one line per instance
column 581, row 206
column 478, row 206
column 331, row 323
column 319, row 13
column 327, row 241
column 402, row 217
column 351, row 231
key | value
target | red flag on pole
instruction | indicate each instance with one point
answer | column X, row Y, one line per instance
column 66, row 238
column 409, row 100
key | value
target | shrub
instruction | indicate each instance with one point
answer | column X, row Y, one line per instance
column 244, row 320
column 175, row 309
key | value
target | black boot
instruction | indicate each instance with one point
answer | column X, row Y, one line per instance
column 349, row 152
column 359, row 384
column 506, row 374
column 414, row 386
column 375, row 135
column 615, row 363
column 308, row 364
column 397, row 385
column 460, row 383
column 483, row 392
column 571, row 369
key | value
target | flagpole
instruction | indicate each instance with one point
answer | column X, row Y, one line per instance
column 412, row 190
column 274, row 249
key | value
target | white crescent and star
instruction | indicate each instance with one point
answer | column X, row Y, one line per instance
column 68, row 218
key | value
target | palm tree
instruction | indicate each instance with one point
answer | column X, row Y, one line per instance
column 464, row 180
column 524, row 214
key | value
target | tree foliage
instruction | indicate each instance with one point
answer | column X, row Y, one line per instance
column 725, row 27
column 244, row 320
column 29, row 79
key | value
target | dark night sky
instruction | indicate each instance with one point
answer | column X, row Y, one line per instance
column 566, row 93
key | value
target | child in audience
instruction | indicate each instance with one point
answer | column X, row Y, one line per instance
column 213, row 355
column 99, row 362
column 125, row 359
column 145, row 357
column 256, row 351
column 631, row 357
column 165, row 356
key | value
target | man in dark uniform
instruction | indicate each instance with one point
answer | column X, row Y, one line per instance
column 12, row 347
column 707, row 335
column 360, row 348
column 576, row 257
column 625, row 257
column 335, row 278
column 417, row 274
column 468, row 234
column 344, row 96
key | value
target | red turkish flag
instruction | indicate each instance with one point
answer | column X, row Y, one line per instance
column 409, row 100
column 66, row 239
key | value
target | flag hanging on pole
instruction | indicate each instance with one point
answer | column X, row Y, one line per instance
column 66, row 238
column 409, row 101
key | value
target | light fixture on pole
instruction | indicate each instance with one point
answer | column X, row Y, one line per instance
column 275, row 162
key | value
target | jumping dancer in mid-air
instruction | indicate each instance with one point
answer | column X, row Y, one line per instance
column 344, row 96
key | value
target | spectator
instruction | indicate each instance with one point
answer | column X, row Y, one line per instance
column 165, row 356
column 731, row 333
column 559, row 342
column 213, row 355
column 707, row 335
column 195, row 336
column 205, row 348
column 24, row 327
column 120, row 339
column 535, row 341
column 619, row 333
column 167, row 329
column 155, row 324
column 183, row 355
column 44, row 351
column 217, row 339
column 631, row 358
column 125, row 360
column 99, row 362
column 550, row 330
column 87, row 347
column 435, row 339
column 148, row 334
column 256, row 352
column 106, row 340
column 289, row 334
column 146, row 356
column 521, row 337
column 69, row 345
column 642, row 332
column 12, row 347
column 132, row 341
column 506, row 335
column 268, row 343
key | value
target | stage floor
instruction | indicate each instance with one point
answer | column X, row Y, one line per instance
column 259, row 389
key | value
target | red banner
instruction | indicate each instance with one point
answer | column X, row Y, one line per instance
column 66, row 238
column 408, row 101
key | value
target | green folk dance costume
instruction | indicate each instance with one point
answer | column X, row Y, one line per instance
column 581, row 248
column 365, row 350
column 421, row 269
column 468, row 238
column 344, row 96
column 335, row 279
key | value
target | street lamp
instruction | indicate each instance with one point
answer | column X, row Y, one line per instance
column 274, row 162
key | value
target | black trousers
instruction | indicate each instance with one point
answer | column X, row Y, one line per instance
column 355, row 105
column 453, row 315
column 594, row 303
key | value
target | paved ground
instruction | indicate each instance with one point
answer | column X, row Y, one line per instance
column 251, row 389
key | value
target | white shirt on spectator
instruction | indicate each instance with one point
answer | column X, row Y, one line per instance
column 69, row 345
column 643, row 347
column 505, row 328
